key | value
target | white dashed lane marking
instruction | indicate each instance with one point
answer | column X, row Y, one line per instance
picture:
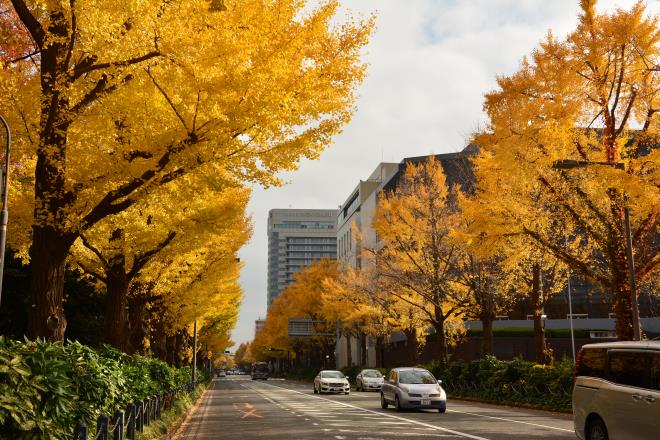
column 344, row 415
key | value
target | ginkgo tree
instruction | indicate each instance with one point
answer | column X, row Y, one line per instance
column 181, row 215
column 417, row 255
column 571, row 143
column 304, row 298
column 360, row 298
column 116, row 98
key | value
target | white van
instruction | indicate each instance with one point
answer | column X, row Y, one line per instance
column 617, row 391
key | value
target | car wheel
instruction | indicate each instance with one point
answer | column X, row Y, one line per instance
column 442, row 410
column 596, row 430
column 357, row 386
column 315, row 391
column 397, row 404
column 347, row 393
column 383, row 402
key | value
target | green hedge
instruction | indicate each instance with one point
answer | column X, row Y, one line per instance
column 514, row 382
column 46, row 388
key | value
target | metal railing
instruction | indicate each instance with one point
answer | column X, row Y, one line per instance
column 556, row 396
column 125, row 424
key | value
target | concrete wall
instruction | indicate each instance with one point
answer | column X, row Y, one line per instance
column 651, row 325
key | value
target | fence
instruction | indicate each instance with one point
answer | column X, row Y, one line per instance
column 126, row 424
column 556, row 397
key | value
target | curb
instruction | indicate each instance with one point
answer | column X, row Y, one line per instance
column 174, row 430
column 511, row 405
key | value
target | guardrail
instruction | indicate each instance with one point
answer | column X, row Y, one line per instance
column 125, row 424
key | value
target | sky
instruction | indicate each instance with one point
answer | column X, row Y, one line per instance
column 429, row 64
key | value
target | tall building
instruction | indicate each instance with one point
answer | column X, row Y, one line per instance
column 259, row 324
column 297, row 238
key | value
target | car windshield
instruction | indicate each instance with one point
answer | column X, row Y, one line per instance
column 332, row 375
column 371, row 373
column 261, row 368
column 416, row 377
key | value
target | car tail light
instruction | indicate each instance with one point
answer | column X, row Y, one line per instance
column 578, row 362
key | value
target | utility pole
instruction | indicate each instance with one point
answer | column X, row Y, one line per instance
column 194, row 365
column 570, row 314
column 4, row 214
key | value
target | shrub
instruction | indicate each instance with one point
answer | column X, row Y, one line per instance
column 352, row 371
column 46, row 388
column 515, row 382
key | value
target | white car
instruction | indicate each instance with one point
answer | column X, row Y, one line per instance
column 368, row 380
column 617, row 391
column 331, row 381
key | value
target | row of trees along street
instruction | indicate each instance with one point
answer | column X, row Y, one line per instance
column 520, row 222
column 138, row 128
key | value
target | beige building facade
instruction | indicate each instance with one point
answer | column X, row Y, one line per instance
column 354, row 234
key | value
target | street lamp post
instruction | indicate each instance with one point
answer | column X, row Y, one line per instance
column 570, row 314
column 567, row 164
column 4, row 214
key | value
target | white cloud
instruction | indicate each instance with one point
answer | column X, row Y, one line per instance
column 431, row 61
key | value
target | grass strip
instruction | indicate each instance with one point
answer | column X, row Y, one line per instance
column 158, row 428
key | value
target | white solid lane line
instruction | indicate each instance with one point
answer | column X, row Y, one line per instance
column 504, row 419
column 511, row 420
column 391, row 416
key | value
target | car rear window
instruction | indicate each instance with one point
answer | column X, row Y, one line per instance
column 592, row 363
column 655, row 370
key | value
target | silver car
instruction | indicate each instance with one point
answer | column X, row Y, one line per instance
column 368, row 380
column 412, row 388
column 331, row 381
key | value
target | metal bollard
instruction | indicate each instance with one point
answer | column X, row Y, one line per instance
column 140, row 417
column 147, row 411
column 118, row 425
column 102, row 427
column 130, row 429
column 81, row 431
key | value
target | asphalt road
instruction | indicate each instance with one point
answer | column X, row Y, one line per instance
column 239, row 408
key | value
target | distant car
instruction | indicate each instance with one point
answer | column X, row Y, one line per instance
column 222, row 373
column 331, row 381
column 412, row 388
column 260, row 370
column 368, row 380
column 617, row 391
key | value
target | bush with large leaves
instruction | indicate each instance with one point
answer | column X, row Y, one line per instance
column 46, row 388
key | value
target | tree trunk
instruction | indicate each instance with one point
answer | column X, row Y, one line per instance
column 179, row 346
column 138, row 316
column 443, row 352
column 116, row 316
column 170, row 347
column 487, row 341
column 542, row 353
column 412, row 345
column 380, row 352
column 50, row 241
column 363, row 349
column 349, row 349
column 48, row 261
column 621, row 300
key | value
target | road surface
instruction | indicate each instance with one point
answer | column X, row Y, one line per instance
column 239, row 408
